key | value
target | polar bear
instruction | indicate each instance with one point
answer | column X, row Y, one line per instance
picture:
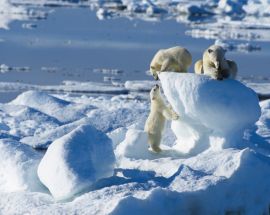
column 154, row 124
column 215, row 65
column 176, row 59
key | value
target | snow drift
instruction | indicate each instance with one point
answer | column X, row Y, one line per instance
column 212, row 113
column 80, row 167
column 75, row 161
column 18, row 167
column 62, row 110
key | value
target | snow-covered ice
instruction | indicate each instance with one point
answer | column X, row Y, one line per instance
column 75, row 161
column 206, row 19
column 50, row 105
column 18, row 170
column 233, row 175
column 134, row 145
column 203, row 103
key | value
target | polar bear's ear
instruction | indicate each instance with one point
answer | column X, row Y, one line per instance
column 210, row 51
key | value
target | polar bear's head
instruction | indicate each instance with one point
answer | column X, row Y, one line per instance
column 216, row 55
column 155, row 92
column 154, row 72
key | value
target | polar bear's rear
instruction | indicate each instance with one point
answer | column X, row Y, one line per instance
column 175, row 59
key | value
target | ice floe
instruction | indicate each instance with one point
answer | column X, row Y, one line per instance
column 206, row 19
column 102, row 176
column 75, row 161
column 18, row 169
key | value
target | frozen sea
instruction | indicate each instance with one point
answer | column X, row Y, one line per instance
column 74, row 98
column 48, row 42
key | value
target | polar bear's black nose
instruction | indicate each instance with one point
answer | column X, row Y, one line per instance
column 157, row 86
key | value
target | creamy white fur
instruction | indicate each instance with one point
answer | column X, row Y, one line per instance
column 155, row 122
column 175, row 59
column 215, row 64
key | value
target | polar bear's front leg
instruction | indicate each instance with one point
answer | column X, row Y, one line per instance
column 170, row 114
column 213, row 72
column 166, row 65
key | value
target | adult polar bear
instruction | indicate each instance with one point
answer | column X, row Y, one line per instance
column 175, row 59
column 154, row 124
column 215, row 65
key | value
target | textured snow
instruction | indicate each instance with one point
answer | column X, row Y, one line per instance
column 134, row 145
column 18, row 167
column 75, row 161
column 202, row 104
column 233, row 176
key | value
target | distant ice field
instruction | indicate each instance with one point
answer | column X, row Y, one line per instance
column 51, row 41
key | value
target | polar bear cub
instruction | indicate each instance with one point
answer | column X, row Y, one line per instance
column 215, row 65
column 159, row 112
column 175, row 59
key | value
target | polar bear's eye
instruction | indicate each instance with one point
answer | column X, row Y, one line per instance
column 210, row 51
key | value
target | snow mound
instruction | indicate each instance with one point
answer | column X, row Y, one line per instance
column 43, row 140
column 18, row 167
column 62, row 110
column 211, row 112
column 134, row 146
column 75, row 161
column 117, row 136
column 236, row 184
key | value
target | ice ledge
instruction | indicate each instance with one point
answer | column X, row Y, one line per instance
column 212, row 113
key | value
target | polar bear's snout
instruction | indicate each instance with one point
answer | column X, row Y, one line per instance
column 156, row 87
column 217, row 64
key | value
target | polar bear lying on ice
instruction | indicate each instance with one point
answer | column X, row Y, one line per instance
column 215, row 65
column 175, row 59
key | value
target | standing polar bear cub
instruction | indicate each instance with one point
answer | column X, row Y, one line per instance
column 159, row 112
column 175, row 59
column 215, row 65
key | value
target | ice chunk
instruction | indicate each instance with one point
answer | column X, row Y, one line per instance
column 43, row 140
column 117, row 135
column 134, row 146
column 142, row 85
column 195, row 186
column 211, row 112
column 18, row 167
column 62, row 110
column 75, row 161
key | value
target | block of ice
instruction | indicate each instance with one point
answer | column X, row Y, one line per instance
column 18, row 167
column 60, row 109
column 75, row 161
column 134, row 145
column 211, row 112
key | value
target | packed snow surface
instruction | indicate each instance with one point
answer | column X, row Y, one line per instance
column 98, row 161
column 18, row 169
column 73, row 162
column 203, row 103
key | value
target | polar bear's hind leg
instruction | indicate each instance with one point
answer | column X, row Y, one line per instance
column 154, row 142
